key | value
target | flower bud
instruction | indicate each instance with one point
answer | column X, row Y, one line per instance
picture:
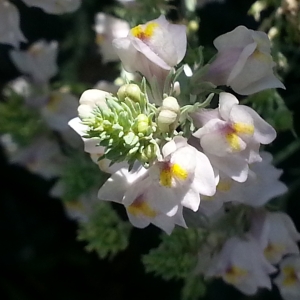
column 168, row 114
column 141, row 124
column 132, row 91
column 148, row 153
column 171, row 104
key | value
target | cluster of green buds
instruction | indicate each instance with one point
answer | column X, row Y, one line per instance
column 124, row 125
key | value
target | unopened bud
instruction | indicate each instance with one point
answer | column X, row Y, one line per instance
column 132, row 91
column 148, row 153
column 168, row 114
column 141, row 124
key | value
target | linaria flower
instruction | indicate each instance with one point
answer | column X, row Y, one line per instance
column 243, row 62
column 142, row 199
column 42, row 157
column 152, row 49
column 39, row 61
column 108, row 28
column 261, row 186
column 55, row 7
column 60, row 108
column 276, row 233
column 10, row 32
column 288, row 280
column 231, row 136
column 158, row 194
column 242, row 264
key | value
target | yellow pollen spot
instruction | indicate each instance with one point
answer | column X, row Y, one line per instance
column 140, row 207
column 235, row 274
column 178, row 172
column 169, row 172
column 258, row 55
column 224, row 185
column 100, row 38
column 53, row 102
column 243, row 128
column 144, row 33
column 290, row 276
column 233, row 141
column 35, row 50
column 272, row 250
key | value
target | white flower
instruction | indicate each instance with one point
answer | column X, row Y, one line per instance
column 142, row 199
column 243, row 62
column 231, row 136
column 42, row 157
column 260, row 187
column 80, row 208
column 158, row 194
column 288, row 280
column 108, row 28
column 89, row 100
column 152, row 49
column 55, row 7
column 60, row 108
column 242, row 264
column 39, row 61
column 276, row 234
column 10, row 32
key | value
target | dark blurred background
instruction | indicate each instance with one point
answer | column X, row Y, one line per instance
column 40, row 257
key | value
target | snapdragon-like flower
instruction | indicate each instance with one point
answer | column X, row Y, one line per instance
column 157, row 195
column 55, row 7
column 243, row 62
column 260, row 187
column 241, row 263
column 276, row 233
column 152, row 49
column 39, row 61
column 288, row 280
column 10, row 32
column 42, row 157
column 108, row 28
column 231, row 136
column 59, row 109
column 142, row 199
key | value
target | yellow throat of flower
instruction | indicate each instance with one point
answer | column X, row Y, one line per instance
column 170, row 171
column 144, row 33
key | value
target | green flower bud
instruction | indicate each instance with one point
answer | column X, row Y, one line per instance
column 132, row 91
column 148, row 153
column 141, row 124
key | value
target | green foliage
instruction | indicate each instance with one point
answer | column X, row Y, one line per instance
column 22, row 122
column 194, row 288
column 105, row 232
column 80, row 174
column 176, row 256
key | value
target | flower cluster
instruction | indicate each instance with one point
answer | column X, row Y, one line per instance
column 10, row 32
column 161, row 171
column 167, row 140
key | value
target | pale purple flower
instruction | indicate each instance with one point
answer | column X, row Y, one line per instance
column 243, row 62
